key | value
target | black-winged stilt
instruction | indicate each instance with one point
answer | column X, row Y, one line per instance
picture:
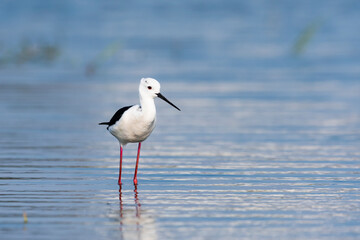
column 133, row 124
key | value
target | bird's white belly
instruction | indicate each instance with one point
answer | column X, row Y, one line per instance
column 132, row 130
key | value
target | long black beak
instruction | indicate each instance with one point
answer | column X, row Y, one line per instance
column 165, row 99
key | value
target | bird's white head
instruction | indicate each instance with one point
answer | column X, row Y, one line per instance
column 150, row 88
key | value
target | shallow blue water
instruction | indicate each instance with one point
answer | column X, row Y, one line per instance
column 266, row 145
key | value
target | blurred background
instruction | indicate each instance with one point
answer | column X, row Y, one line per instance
column 266, row 145
column 179, row 41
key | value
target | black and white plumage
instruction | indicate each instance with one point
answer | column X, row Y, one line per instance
column 116, row 117
column 133, row 124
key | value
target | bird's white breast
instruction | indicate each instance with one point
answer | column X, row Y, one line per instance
column 133, row 126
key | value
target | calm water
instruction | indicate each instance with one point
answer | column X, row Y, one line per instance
column 266, row 145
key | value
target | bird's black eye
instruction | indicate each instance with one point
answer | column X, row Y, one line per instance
column 149, row 87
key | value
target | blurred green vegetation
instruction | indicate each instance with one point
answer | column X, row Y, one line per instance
column 108, row 52
column 32, row 52
column 29, row 52
column 305, row 36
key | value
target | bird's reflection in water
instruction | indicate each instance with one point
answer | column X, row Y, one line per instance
column 137, row 202
column 135, row 223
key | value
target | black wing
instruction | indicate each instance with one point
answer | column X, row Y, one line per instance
column 116, row 116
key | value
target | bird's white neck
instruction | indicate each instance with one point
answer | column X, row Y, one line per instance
column 148, row 106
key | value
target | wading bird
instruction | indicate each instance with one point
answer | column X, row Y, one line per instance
column 133, row 124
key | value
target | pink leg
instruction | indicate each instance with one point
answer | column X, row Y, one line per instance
column 137, row 163
column 121, row 153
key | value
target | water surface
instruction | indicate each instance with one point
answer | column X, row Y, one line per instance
column 266, row 145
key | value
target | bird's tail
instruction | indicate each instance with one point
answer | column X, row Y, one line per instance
column 104, row 123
